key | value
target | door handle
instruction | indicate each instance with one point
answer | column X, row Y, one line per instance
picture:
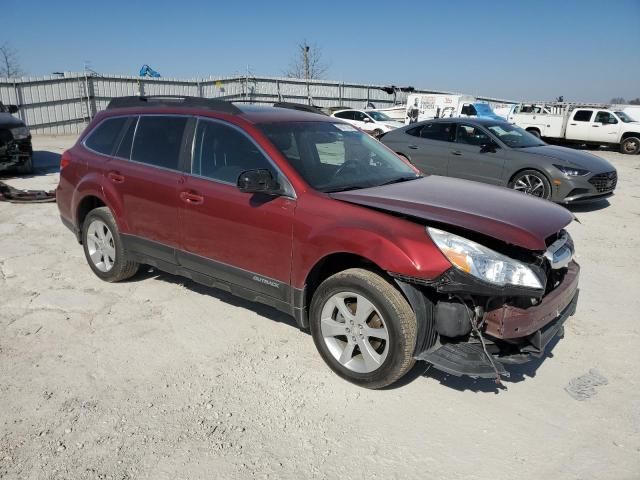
column 115, row 177
column 456, row 152
column 573, row 124
column 412, row 147
column 595, row 126
column 192, row 198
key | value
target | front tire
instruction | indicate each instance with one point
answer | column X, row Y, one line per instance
column 630, row 146
column 103, row 247
column 532, row 182
column 363, row 328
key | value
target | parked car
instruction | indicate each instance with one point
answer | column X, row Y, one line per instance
column 15, row 141
column 503, row 154
column 370, row 121
column 308, row 214
column 582, row 124
column 427, row 106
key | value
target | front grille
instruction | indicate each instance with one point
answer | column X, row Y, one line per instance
column 604, row 182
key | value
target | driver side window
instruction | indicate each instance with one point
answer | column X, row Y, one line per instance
column 469, row 135
column 605, row 118
column 359, row 116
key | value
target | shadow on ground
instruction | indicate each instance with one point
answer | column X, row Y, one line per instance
column 44, row 163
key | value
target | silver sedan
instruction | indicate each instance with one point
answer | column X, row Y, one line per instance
column 500, row 153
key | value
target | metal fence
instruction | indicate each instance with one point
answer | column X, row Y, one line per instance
column 58, row 105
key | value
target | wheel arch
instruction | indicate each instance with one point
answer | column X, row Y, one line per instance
column 324, row 268
column 535, row 169
column 626, row 135
column 85, row 205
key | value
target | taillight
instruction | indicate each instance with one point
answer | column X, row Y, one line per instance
column 65, row 159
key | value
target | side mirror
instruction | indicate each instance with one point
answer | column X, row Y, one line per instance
column 258, row 181
column 367, row 120
column 12, row 108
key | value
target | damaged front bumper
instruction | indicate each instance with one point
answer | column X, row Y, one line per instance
column 14, row 153
column 510, row 330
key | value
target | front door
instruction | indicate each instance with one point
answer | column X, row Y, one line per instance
column 240, row 238
column 605, row 127
column 468, row 159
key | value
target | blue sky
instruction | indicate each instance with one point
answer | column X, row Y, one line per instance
column 519, row 49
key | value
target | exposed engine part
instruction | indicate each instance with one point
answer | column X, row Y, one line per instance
column 14, row 195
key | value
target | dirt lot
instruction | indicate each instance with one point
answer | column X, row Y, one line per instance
column 159, row 378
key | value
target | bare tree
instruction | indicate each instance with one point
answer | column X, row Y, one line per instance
column 9, row 63
column 618, row 101
column 307, row 63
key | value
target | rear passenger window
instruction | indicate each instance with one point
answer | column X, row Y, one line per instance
column 345, row 115
column 158, row 140
column 582, row 116
column 438, row 131
column 104, row 136
column 223, row 153
column 124, row 149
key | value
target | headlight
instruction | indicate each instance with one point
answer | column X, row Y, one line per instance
column 572, row 171
column 20, row 133
column 482, row 262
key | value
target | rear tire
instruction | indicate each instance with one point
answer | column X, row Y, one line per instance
column 363, row 328
column 630, row 146
column 535, row 133
column 103, row 247
column 377, row 133
column 531, row 182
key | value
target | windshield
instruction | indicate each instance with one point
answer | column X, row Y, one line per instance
column 379, row 116
column 336, row 156
column 624, row 117
column 514, row 137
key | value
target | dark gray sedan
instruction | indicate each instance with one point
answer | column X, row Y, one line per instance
column 502, row 154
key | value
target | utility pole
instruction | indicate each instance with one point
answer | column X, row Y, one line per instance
column 305, row 56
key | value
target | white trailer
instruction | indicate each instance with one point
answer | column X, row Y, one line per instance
column 424, row 106
column 590, row 124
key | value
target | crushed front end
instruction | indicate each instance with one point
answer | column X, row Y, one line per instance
column 472, row 327
column 15, row 146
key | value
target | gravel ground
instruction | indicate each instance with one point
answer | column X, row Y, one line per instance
column 160, row 378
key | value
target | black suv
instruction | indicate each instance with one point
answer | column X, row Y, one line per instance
column 15, row 141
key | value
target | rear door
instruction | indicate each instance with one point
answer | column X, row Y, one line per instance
column 146, row 173
column 428, row 146
column 468, row 159
column 241, row 238
column 580, row 125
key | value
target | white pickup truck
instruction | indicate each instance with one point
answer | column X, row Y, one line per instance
column 579, row 123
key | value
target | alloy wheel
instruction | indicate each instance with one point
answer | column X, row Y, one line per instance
column 531, row 185
column 101, row 246
column 354, row 332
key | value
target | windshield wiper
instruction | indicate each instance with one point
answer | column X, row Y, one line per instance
column 401, row 179
column 346, row 188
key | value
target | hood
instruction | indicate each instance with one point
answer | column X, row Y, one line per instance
column 393, row 124
column 572, row 157
column 496, row 212
column 9, row 121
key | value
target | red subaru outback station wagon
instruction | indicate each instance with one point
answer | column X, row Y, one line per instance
column 300, row 211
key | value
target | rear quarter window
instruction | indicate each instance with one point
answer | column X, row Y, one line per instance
column 103, row 138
